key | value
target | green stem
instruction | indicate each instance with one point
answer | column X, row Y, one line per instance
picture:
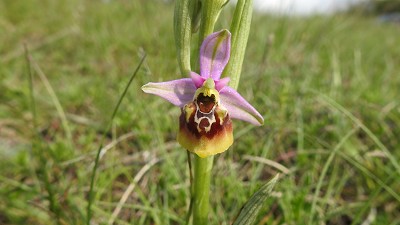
column 201, row 195
column 202, row 166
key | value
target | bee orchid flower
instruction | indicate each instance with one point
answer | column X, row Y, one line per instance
column 207, row 102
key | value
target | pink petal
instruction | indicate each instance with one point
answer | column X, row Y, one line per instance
column 219, row 84
column 238, row 107
column 178, row 92
column 214, row 54
column 197, row 79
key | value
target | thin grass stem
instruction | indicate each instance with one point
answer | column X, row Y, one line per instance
column 54, row 99
column 53, row 205
column 325, row 170
column 97, row 159
column 355, row 120
column 32, row 102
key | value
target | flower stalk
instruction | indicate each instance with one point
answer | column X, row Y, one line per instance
column 203, row 166
column 201, row 189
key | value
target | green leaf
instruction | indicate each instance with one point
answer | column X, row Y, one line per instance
column 250, row 210
column 185, row 10
column 240, row 29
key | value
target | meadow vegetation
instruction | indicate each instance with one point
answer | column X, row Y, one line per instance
column 328, row 88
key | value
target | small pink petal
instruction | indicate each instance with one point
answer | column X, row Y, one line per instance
column 238, row 107
column 178, row 92
column 197, row 79
column 219, row 84
column 214, row 54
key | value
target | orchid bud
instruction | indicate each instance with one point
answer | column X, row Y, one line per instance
column 210, row 13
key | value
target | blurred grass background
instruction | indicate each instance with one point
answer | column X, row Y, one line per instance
column 328, row 88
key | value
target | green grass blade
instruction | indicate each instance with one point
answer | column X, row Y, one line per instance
column 371, row 175
column 250, row 210
column 32, row 102
column 96, row 162
column 325, row 170
column 53, row 97
column 36, row 141
column 355, row 120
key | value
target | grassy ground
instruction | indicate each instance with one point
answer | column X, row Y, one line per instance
column 328, row 88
